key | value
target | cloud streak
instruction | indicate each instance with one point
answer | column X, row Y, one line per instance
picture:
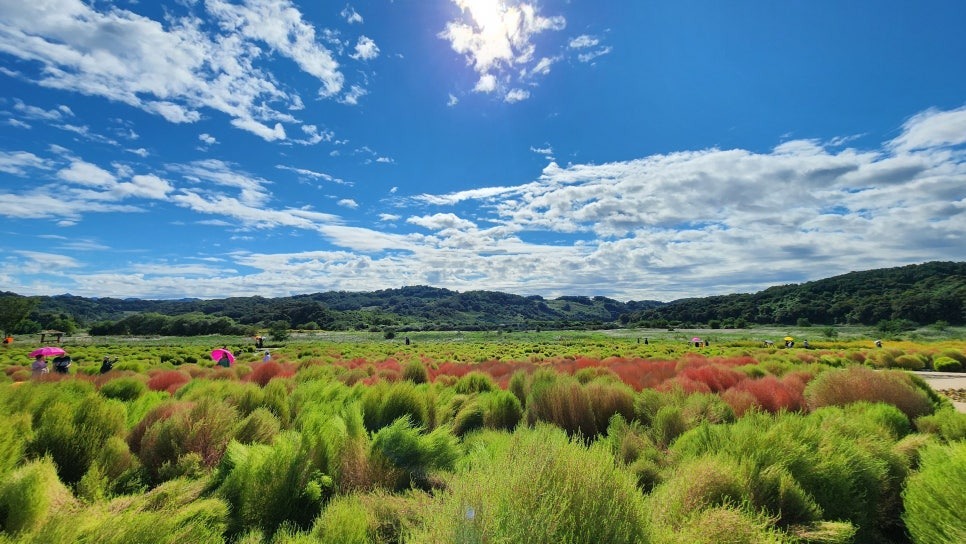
column 178, row 68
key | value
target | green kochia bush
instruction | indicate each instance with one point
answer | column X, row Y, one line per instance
column 536, row 486
column 29, row 495
column 384, row 403
column 125, row 388
column 267, row 486
column 15, row 434
column 948, row 424
column 562, row 401
column 402, row 456
column 933, row 498
column 835, row 464
column 73, row 431
column 947, row 364
column 859, row 383
column 176, row 511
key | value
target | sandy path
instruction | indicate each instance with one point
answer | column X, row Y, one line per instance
column 946, row 380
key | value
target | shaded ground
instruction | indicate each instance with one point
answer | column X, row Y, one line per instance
column 951, row 384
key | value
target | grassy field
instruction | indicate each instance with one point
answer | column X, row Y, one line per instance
column 525, row 436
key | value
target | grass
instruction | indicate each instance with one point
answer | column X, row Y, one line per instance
column 477, row 437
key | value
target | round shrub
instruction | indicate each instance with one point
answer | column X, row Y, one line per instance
column 909, row 362
column 475, row 382
column 124, row 389
column 415, row 372
column 539, row 487
column 502, row 410
column 259, row 427
column 947, row 364
column 859, row 383
column 933, row 499
column 29, row 495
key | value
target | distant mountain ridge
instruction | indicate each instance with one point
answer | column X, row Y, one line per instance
column 920, row 293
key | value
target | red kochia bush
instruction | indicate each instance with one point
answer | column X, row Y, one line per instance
column 168, row 380
column 263, row 372
column 642, row 373
column 717, row 378
column 773, row 394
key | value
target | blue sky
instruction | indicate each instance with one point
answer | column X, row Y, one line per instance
column 632, row 149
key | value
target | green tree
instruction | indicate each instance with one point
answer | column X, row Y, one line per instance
column 278, row 330
column 13, row 310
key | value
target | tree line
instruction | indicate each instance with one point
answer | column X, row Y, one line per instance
column 915, row 294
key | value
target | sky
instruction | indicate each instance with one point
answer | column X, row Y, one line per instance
column 634, row 149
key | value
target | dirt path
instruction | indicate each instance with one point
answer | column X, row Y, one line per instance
column 947, row 382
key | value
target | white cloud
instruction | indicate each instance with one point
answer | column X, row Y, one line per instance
column 39, row 114
column 543, row 66
column 486, row 84
column 348, row 203
column 452, row 101
column 388, row 217
column 352, row 96
column 174, row 68
column 351, row 15
column 144, row 186
column 591, row 55
column 516, row 95
column 366, row 49
column 85, row 173
column 442, row 221
column 583, row 41
column 589, row 47
column 497, row 38
column 17, row 162
column 932, row 128
column 314, row 135
column 313, row 174
column 207, row 139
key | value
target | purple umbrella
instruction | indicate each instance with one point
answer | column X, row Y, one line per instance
column 47, row 351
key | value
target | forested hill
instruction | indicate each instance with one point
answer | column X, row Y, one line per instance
column 923, row 294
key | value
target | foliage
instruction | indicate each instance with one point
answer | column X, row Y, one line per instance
column 538, row 487
column 13, row 310
column 268, row 485
column 933, row 497
column 29, row 494
column 694, row 444
column 896, row 297
column 858, row 383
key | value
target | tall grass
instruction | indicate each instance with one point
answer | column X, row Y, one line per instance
column 933, row 497
column 268, row 485
column 843, row 461
column 176, row 511
column 948, row 424
column 29, row 495
column 203, row 429
column 15, row 434
column 403, row 456
column 562, row 401
column 72, row 431
column 859, row 383
column 537, row 487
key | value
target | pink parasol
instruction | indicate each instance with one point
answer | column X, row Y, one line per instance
column 47, row 351
column 217, row 354
column 695, row 339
